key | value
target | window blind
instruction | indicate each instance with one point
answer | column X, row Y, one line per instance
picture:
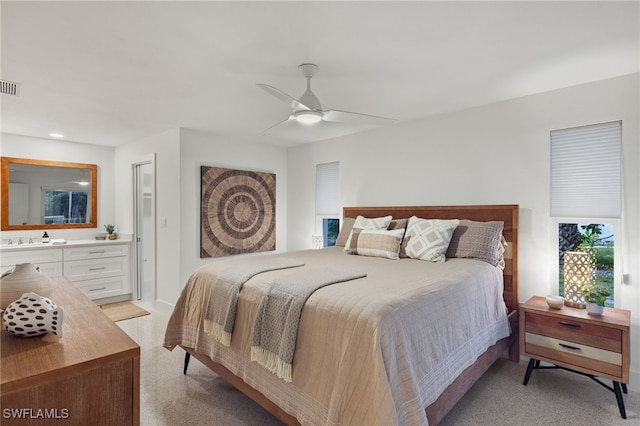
column 328, row 189
column 586, row 171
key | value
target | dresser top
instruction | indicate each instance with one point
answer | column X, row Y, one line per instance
column 614, row 317
column 90, row 339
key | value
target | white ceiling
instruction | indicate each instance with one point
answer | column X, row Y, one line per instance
column 113, row 72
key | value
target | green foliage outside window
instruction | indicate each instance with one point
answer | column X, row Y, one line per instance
column 589, row 238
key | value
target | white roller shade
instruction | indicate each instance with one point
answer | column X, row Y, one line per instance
column 586, row 171
column 328, row 189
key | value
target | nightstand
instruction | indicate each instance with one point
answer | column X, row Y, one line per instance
column 571, row 339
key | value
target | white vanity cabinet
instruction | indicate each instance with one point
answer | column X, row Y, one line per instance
column 100, row 271
column 48, row 260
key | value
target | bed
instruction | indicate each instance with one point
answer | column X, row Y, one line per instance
column 365, row 351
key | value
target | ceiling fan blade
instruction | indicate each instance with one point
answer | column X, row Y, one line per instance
column 273, row 129
column 334, row 115
column 294, row 104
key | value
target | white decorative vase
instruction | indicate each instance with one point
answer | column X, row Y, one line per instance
column 33, row 315
column 594, row 309
column 24, row 278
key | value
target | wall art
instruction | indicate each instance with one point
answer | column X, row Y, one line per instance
column 237, row 211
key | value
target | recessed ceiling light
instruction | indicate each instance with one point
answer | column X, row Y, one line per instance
column 56, row 135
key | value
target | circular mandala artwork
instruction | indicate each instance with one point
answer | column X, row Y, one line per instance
column 238, row 212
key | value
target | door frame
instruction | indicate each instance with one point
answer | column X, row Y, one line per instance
column 138, row 258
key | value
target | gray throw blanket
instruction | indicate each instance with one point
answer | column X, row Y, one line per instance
column 276, row 328
column 225, row 290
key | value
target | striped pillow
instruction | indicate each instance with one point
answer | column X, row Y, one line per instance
column 368, row 223
column 376, row 243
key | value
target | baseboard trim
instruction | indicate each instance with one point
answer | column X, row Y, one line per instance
column 164, row 307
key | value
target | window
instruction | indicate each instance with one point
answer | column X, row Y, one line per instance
column 586, row 197
column 64, row 206
column 328, row 201
column 598, row 239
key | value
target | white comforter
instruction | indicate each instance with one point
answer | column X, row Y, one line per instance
column 376, row 350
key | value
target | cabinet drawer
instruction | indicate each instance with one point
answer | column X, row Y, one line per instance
column 564, row 352
column 79, row 270
column 570, row 330
column 103, row 287
column 53, row 269
column 95, row 252
column 10, row 259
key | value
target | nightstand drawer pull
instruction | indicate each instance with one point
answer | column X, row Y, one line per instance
column 569, row 324
column 573, row 348
column 97, row 289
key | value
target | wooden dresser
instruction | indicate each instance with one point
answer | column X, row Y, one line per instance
column 90, row 376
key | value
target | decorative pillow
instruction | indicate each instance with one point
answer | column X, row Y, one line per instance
column 478, row 240
column 428, row 239
column 345, row 231
column 398, row 224
column 376, row 243
column 367, row 224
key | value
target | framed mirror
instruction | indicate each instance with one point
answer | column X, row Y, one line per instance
column 39, row 194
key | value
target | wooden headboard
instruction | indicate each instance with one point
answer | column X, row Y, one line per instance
column 507, row 213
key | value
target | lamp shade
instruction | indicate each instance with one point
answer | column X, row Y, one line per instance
column 579, row 271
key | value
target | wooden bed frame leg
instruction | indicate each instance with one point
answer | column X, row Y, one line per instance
column 187, row 358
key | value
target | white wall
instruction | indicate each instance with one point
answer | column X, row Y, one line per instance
column 488, row 155
column 166, row 147
column 179, row 153
column 204, row 149
column 53, row 150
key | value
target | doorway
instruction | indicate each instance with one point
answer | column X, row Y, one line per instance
column 144, row 235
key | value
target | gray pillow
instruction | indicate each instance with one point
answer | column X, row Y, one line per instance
column 345, row 231
column 478, row 240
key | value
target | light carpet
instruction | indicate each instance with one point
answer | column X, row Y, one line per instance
column 552, row 397
column 123, row 310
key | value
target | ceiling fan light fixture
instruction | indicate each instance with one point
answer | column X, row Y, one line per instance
column 307, row 116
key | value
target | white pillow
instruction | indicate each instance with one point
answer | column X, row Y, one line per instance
column 428, row 239
column 368, row 224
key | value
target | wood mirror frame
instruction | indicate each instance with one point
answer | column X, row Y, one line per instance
column 93, row 172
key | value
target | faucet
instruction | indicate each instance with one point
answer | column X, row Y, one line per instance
column 10, row 242
column 20, row 241
column 30, row 240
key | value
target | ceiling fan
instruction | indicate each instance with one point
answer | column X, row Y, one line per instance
column 309, row 121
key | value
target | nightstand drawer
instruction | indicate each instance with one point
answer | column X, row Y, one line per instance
column 562, row 351
column 571, row 330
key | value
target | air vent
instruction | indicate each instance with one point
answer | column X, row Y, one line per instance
column 9, row 88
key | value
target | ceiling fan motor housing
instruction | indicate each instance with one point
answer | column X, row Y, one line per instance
column 308, row 98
